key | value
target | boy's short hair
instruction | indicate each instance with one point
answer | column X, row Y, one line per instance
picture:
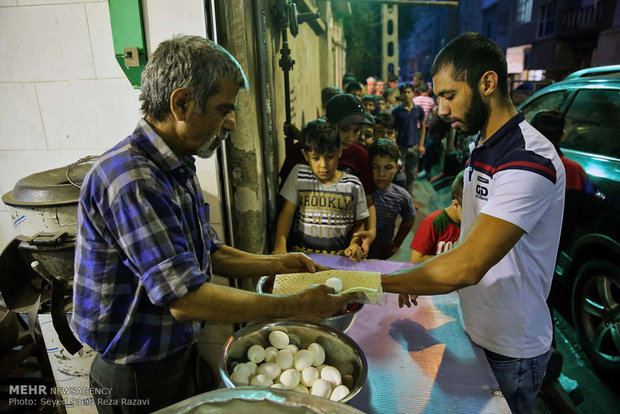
column 329, row 92
column 368, row 98
column 423, row 88
column 392, row 78
column 371, row 120
column 457, row 187
column 352, row 86
column 385, row 120
column 550, row 123
column 387, row 92
column 379, row 98
column 419, row 75
column 404, row 86
column 383, row 147
column 320, row 136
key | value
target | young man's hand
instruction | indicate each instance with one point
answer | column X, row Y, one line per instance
column 403, row 300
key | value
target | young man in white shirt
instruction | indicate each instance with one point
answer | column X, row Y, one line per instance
column 513, row 203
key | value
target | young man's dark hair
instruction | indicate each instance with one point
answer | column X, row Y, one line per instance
column 404, row 86
column 468, row 56
column 550, row 123
column 392, row 78
column 328, row 93
column 352, row 87
column 385, row 120
column 423, row 88
column 320, row 136
column 383, row 147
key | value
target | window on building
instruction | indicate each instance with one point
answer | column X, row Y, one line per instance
column 524, row 11
column 546, row 21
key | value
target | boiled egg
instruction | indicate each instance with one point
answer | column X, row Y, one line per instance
column 279, row 339
column 334, row 283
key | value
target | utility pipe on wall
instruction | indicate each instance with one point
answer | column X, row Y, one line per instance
column 269, row 142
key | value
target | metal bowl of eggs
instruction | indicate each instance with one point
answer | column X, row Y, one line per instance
column 307, row 357
column 341, row 322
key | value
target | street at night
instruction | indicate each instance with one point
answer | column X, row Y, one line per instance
column 326, row 206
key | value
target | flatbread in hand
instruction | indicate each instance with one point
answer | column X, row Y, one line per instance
column 368, row 283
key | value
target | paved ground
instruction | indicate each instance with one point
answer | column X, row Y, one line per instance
column 579, row 389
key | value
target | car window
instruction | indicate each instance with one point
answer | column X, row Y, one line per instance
column 553, row 100
column 593, row 121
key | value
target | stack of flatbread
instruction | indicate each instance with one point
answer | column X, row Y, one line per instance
column 368, row 283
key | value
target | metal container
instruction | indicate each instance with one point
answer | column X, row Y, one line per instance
column 245, row 400
column 46, row 202
column 340, row 351
column 340, row 322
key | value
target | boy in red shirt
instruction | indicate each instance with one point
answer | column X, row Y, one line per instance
column 440, row 231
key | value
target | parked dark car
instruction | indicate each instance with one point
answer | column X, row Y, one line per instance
column 521, row 90
column 587, row 279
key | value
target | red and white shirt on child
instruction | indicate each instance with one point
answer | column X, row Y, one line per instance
column 436, row 234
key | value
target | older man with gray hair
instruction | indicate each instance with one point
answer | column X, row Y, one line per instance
column 145, row 249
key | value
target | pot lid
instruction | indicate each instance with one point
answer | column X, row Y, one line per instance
column 56, row 187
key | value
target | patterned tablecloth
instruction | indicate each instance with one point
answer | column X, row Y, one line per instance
column 420, row 360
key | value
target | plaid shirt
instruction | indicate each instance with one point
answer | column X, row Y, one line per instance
column 143, row 241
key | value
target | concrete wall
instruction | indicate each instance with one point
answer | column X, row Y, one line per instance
column 62, row 93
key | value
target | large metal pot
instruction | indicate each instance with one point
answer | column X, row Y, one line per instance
column 247, row 400
column 43, row 208
column 46, row 202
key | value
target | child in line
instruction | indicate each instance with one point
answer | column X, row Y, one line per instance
column 369, row 103
column 354, row 88
column 347, row 113
column 390, row 200
column 381, row 105
column 391, row 102
column 323, row 206
column 384, row 126
column 440, row 231
column 367, row 134
column 385, row 129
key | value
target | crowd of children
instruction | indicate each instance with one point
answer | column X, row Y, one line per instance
column 347, row 176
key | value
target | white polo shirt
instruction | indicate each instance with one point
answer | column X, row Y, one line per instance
column 516, row 176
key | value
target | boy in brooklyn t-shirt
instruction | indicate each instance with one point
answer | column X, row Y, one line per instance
column 323, row 206
column 441, row 229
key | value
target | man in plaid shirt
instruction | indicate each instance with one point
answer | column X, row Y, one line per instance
column 145, row 250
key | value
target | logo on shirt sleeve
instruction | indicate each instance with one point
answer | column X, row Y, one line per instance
column 481, row 192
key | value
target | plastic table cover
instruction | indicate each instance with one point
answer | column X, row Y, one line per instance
column 420, row 360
